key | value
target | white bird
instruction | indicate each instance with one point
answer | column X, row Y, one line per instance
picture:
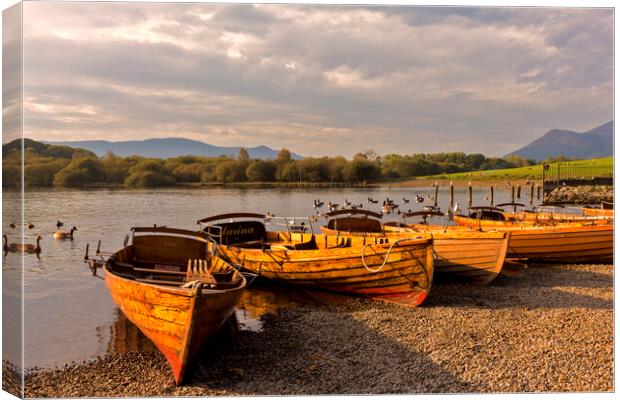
column 456, row 208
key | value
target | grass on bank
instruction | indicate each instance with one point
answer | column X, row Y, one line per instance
column 530, row 172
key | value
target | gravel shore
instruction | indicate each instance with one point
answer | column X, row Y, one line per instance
column 546, row 328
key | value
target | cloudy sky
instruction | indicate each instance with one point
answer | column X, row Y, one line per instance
column 320, row 80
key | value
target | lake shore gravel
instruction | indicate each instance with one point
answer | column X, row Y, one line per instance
column 545, row 328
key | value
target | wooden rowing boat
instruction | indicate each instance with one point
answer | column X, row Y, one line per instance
column 477, row 257
column 568, row 242
column 597, row 212
column 554, row 217
column 173, row 290
column 497, row 217
column 398, row 270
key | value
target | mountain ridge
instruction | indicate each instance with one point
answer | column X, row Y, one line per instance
column 594, row 143
column 168, row 147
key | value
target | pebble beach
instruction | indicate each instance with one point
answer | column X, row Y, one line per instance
column 542, row 328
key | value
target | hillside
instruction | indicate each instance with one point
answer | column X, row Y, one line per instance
column 533, row 172
column 594, row 143
column 169, row 147
column 35, row 149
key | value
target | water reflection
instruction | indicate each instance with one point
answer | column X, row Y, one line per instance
column 126, row 337
column 257, row 301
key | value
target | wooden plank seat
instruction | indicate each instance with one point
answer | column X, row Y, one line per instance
column 161, row 281
column 159, row 271
column 253, row 244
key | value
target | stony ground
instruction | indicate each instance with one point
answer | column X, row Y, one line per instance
column 584, row 194
column 545, row 328
column 11, row 380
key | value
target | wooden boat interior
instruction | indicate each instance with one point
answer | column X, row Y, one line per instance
column 354, row 220
column 487, row 213
column 253, row 234
column 172, row 257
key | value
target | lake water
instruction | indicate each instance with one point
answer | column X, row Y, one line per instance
column 69, row 315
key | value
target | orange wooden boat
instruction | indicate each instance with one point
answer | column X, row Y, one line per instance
column 544, row 217
column 477, row 257
column 398, row 270
column 496, row 216
column 568, row 242
column 597, row 212
column 173, row 290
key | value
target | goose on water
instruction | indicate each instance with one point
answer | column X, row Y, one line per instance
column 21, row 248
column 65, row 235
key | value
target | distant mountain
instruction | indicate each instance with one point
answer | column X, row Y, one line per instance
column 597, row 142
column 169, row 147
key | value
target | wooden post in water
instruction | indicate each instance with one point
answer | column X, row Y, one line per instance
column 436, row 192
column 451, row 194
column 491, row 199
column 531, row 193
column 518, row 191
column 471, row 197
column 512, row 194
column 538, row 192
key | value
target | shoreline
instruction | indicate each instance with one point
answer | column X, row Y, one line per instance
column 442, row 182
column 545, row 328
column 421, row 182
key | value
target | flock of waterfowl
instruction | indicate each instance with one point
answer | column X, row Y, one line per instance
column 30, row 248
column 388, row 205
column 179, row 286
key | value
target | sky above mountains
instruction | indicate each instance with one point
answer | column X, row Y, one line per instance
column 320, row 80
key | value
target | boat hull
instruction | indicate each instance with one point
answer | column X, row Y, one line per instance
column 597, row 212
column 400, row 272
column 476, row 257
column 178, row 321
column 571, row 243
column 555, row 218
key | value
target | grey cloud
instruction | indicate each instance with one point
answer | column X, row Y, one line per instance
column 461, row 78
column 11, row 73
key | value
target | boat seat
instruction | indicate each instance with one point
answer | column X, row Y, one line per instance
column 237, row 232
column 352, row 224
column 223, row 277
column 166, row 251
column 255, row 244
column 342, row 243
column 488, row 215
column 309, row 245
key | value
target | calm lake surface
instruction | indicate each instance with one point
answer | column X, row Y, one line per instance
column 69, row 315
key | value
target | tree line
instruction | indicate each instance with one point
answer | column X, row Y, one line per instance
column 53, row 165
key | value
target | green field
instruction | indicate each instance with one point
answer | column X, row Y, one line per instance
column 531, row 172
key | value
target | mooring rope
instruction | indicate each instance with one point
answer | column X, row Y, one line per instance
column 386, row 256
